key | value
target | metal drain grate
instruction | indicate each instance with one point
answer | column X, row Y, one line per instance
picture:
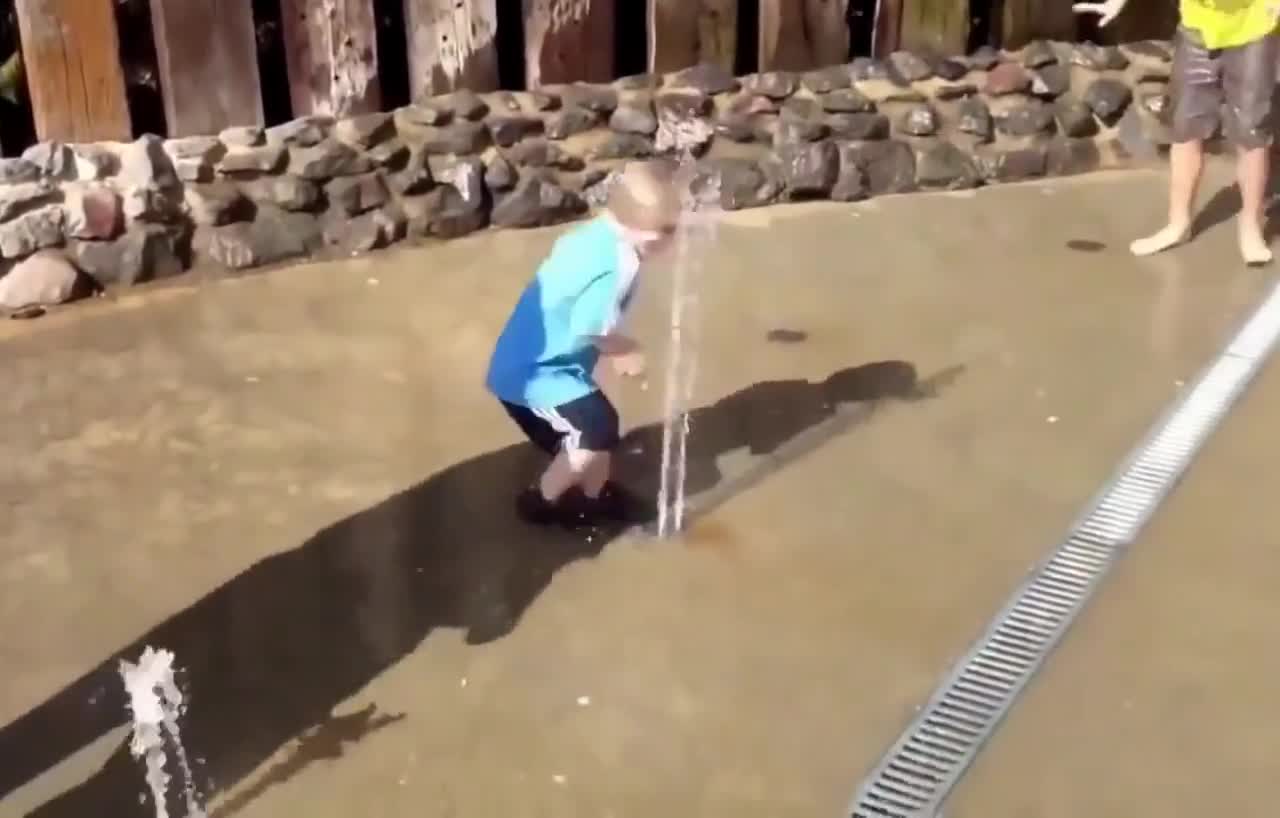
column 923, row 766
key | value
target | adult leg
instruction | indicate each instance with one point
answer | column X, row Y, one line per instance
column 1248, row 77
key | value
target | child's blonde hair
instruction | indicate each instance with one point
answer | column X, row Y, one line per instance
column 646, row 196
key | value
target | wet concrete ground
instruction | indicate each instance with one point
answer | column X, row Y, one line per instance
column 294, row 482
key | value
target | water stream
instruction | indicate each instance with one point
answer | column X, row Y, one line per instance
column 156, row 702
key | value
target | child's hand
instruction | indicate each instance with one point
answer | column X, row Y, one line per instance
column 630, row 365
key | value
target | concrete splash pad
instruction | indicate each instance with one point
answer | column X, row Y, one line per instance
column 173, row 458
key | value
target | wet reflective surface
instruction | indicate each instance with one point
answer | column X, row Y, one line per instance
column 295, row 482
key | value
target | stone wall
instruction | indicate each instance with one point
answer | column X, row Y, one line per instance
column 122, row 213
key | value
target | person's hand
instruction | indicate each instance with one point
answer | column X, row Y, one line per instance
column 630, row 365
column 1106, row 10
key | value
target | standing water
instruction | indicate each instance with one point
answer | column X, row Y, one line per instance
column 156, row 703
column 694, row 235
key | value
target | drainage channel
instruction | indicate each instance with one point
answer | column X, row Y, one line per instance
column 920, row 770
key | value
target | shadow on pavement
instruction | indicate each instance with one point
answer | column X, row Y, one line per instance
column 271, row 653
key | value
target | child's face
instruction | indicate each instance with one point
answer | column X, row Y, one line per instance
column 652, row 242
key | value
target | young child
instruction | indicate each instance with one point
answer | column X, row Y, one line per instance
column 564, row 322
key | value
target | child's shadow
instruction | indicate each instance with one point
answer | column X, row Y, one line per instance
column 270, row 654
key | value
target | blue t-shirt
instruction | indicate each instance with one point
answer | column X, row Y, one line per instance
column 544, row 357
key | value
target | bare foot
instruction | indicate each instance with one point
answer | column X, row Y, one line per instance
column 1253, row 246
column 1170, row 236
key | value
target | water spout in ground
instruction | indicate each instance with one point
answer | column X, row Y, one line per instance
column 156, row 703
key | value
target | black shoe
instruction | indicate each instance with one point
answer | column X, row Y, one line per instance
column 617, row 505
column 535, row 509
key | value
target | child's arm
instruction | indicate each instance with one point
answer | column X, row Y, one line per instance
column 594, row 318
column 613, row 344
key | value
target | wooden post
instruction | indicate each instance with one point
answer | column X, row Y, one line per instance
column 568, row 41
column 688, row 32
column 797, row 35
column 208, row 63
column 1027, row 20
column 886, row 31
column 939, row 27
column 71, row 57
column 331, row 49
column 452, row 44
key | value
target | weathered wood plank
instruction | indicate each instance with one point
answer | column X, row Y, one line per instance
column 452, row 44
column 568, row 41
column 689, row 32
column 796, row 35
column 1027, row 20
column 331, row 49
column 208, row 64
column 70, row 51
column 886, row 34
column 939, row 27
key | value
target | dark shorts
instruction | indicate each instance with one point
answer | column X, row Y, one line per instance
column 589, row 423
column 1230, row 88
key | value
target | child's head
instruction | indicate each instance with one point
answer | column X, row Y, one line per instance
column 645, row 200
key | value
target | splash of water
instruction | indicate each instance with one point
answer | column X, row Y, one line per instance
column 694, row 236
column 156, row 703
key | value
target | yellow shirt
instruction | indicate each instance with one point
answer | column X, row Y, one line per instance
column 1230, row 23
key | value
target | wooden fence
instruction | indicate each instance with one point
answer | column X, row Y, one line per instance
column 337, row 57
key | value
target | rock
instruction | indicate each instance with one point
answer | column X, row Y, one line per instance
column 1069, row 156
column 682, row 105
column 1074, row 118
column 93, row 213
column 32, row 231
column 859, row 126
column 391, row 154
column 950, row 70
column 252, row 161
column 500, row 175
column 357, row 234
column 984, row 59
column 599, row 99
column 1108, row 99
column 217, row 203
column 326, row 160
column 52, row 159
column 637, row 82
column 826, row 80
column 944, row 166
column 884, row 91
column 192, row 170
column 458, row 138
column 508, row 130
column 1151, row 49
column 144, row 163
column 866, row 68
column 771, row 84
column 1030, row 118
column 974, row 118
column 736, row 128
column 1007, row 78
column 443, row 213
column 634, row 118
column 287, row 192
column 465, row 176
column 273, row 236
column 206, row 149
column 145, row 252
column 16, row 199
column 846, row 101
column 741, row 183
column 1098, row 57
column 242, row 136
column 1141, row 135
column 623, row 146
column 1038, row 54
column 946, row 93
column 94, row 161
column 365, row 130
column 569, row 122
column 1157, row 104
column 15, row 171
column 539, row 153
column 536, row 203
column 422, row 116
column 1051, row 81
column 888, row 167
column 148, row 204
column 909, row 66
column 801, row 109
column 352, row 195
column 303, row 132
column 707, row 78
column 540, row 101
column 415, row 177
column 463, row 104
column 1013, row 165
column 851, row 184
column 793, row 131
column 683, row 135
column 44, row 279
column 808, row 170
column 921, row 120
column 502, row 101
